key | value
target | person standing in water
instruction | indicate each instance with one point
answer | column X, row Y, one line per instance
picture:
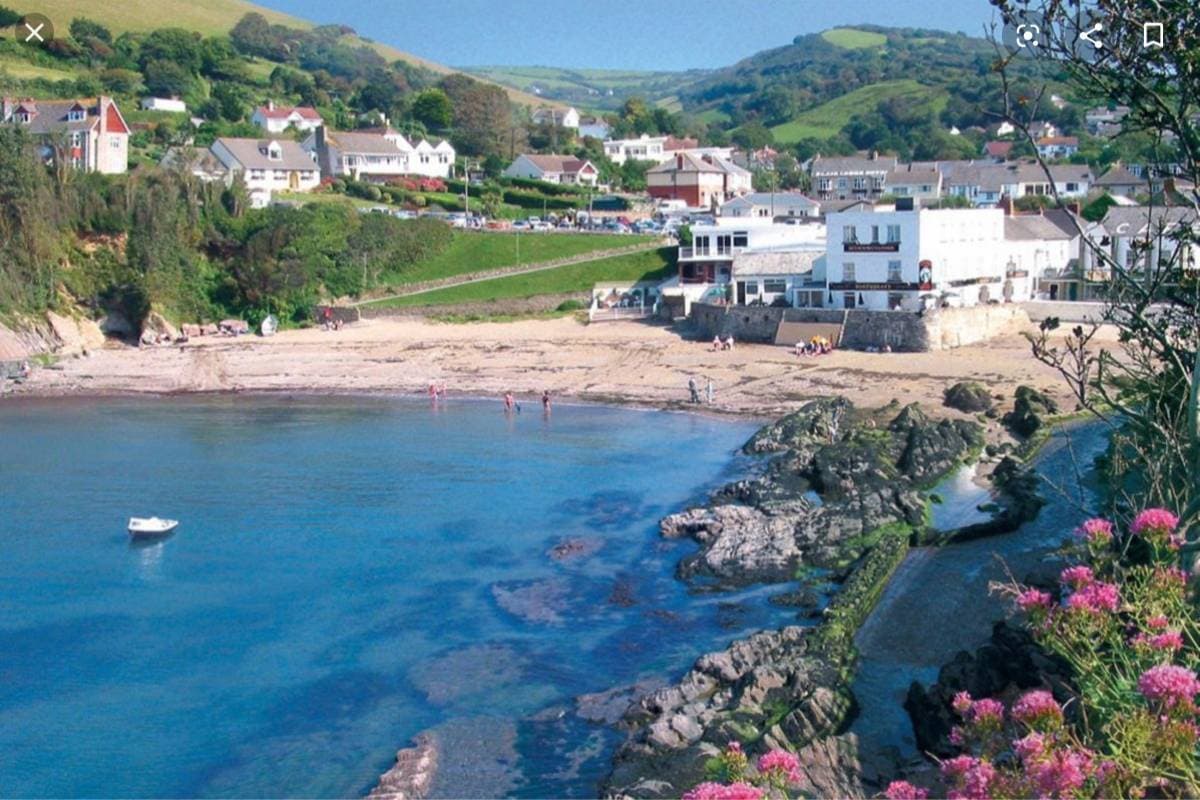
column 546, row 400
column 509, row 403
column 694, row 390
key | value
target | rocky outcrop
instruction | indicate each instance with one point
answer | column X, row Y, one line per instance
column 969, row 397
column 1031, row 409
column 838, row 479
column 412, row 775
column 767, row 690
column 1008, row 664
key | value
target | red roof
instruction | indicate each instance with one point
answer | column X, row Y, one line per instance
column 998, row 149
column 113, row 122
column 283, row 112
column 1051, row 140
column 673, row 143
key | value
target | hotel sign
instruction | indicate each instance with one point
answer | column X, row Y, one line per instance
column 870, row 247
column 864, row 286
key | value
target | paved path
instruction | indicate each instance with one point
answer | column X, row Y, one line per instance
column 504, row 272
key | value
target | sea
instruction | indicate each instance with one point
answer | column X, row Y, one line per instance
column 348, row 572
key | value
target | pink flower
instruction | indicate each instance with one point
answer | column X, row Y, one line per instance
column 1158, row 622
column 787, row 765
column 1172, row 576
column 986, row 711
column 1038, row 709
column 1077, row 577
column 1168, row 640
column 1060, row 773
column 1156, row 521
column 1033, row 600
column 903, row 790
column 1095, row 598
column 973, row 778
column 717, row 791
column 1099, row 531
column 734, row 747
column 958, row 766
column 961, row 703
column 1030, row 748
column 1169, row 685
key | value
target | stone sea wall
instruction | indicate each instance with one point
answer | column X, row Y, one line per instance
column 939, row 329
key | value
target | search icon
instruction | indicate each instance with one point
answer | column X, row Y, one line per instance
column 1152, row 35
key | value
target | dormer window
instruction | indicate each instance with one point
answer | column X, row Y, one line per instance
column 76, row 115
column 24, row 116
column 274, row 151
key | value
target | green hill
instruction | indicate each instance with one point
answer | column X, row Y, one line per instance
column 853, row 38
column 208, row 17
column 601, row 89
column 829, row 118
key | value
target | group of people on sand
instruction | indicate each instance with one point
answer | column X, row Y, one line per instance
column 722, row 344
column 328, row 323
column 437, row 391
column 816, row 346
column 710, row 391
column 511, row 404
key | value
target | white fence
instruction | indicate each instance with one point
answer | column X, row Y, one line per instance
column 596, row 314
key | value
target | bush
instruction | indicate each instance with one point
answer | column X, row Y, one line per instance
column 570, row 305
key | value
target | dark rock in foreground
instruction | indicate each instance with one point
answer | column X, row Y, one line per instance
column 969, row 397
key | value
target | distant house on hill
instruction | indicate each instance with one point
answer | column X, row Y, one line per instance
column 277, row 119
column 1057, row 146
column 170, row 104
column 595, row 127
column 89, row 134
column 563, row 118
column 377, row 154
column 1120, row 182
column 922, row 181
column 268, row 166
column 997, row 150
column 201, row 164
column 553, row 169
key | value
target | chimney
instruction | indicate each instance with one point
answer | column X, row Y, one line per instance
column 270, row 105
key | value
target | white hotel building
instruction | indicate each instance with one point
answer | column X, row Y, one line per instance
column 910, row 259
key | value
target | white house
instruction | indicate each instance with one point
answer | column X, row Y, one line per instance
column 1057, row 146
column 795, row 277
column 1142, row 237
column 268, row 166
column 911, row 258
column 771, row 205
column 643, row 148
column 172, row 104
column 984, row 183
column 277, row 119
column 595, row 127
column 553, row 169
column 89, row 134
column 1041, row 253
column 200, row 164
column 563, row 118
column 708, row 262
column 850, row 177
column 922, row 181
column 377, row 154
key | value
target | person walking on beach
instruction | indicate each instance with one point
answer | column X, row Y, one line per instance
column 710, row 391
column 694, row 390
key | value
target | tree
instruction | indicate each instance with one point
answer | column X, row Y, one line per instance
column 83, row 28
column 167, row 79
column 172, row 45
column 8, row 17
column 433, row 109
column 752, row 136
column 483, row 122
column 1150, row 392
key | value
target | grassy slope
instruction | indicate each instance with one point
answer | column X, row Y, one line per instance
column 475, row 252
column 828, row 118
column 653, row 264
column 853, row 39
column 206, row 16
column 27, row 71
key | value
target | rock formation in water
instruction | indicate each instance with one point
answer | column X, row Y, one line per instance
column 839, row 477
column 412, row 774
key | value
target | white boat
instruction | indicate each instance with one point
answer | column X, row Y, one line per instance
column 151, row 526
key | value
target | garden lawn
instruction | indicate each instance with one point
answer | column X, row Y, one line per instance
column 475, row 251
column 650, row 265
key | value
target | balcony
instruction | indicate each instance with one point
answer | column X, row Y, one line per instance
column 713, row 253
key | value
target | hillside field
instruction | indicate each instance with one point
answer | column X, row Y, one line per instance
column 828, row 119
column 853, row 39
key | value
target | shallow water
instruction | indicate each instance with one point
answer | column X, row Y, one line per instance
column 938, row 603
column 348, row 573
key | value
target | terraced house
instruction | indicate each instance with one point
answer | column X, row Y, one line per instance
column 851, row 177
column 88, row 134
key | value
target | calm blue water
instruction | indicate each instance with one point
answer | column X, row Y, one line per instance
column 348, row 573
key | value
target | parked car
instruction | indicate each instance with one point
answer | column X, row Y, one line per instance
column 540, row 225
column 565, row 225
column 403, row 213
column 520, row 225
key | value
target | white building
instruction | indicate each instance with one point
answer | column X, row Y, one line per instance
column 553, row 169
column 984, row 183
column 643, row 148
column 910, row 259
column 1057, row 146
column 277, row 119
column 1141, row 237
column 755, row 251
column 377, row 154
column 563, row 118
column 268, row 166
column 595, row 127
column 1041, row 254
column 771, row 205
column 171, row 104
column 921, row 181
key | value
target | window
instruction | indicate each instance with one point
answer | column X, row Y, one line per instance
column 893, row 234
column 751, row 288
column 700, row 245
column 860, row 184
column 1072, row 187
column 849, row 233
column 895, row 301
column 724, row 243
column 76, row 115
column 848, row 272
column 741, row 239
column 848, row 300
column 894, row 275
column 841, row 182
column 774, row 286
column 874, row 234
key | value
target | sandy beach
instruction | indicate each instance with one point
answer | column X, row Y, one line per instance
column 616, row 362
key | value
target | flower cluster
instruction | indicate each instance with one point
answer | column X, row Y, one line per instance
column 1096, row 597
column 718, row 791
column 1169, row 685
column 1096, row 531
column 776, row 771
column 903, row 790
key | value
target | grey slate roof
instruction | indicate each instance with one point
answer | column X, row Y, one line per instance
column 1032, row 227
column 775, row 263
column 852, row 165
column 361, row 142
column 252, row 154
column 1127, row 220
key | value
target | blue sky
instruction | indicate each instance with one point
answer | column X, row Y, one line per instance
column 615, row 34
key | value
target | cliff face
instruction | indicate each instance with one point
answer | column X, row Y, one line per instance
column 49, row 333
